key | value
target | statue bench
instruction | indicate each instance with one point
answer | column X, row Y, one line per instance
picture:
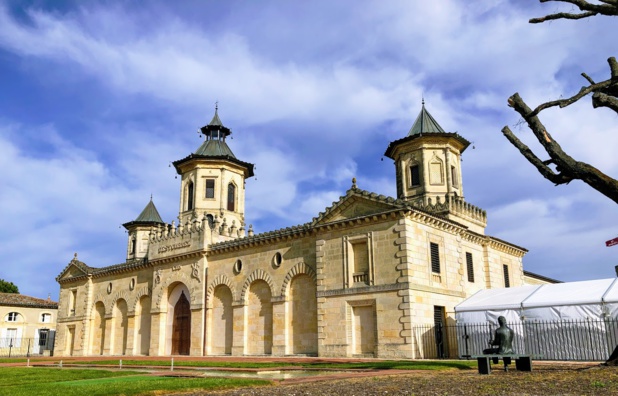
column 522, row 362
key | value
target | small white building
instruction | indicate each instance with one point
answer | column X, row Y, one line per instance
column 27, row 325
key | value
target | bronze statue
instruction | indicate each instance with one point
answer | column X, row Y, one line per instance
column 503, row 338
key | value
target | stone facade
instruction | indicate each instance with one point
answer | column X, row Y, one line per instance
column 354, row 281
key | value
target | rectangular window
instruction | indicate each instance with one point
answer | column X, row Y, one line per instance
column 454, row 176
column 470, row 266
column 43, row 333
column 72, row 302
column 361, row 262
column 210, row 188
column 435, row 257
column 507, row 282
column 45, row 318
column 415, row 176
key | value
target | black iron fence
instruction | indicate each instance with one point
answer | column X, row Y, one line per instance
column 26, row 347
column 586, row 340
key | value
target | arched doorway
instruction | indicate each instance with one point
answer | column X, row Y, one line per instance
column 181, row 328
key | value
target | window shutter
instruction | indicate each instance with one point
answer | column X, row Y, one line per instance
column 470, row 266
column 507, row 282
column 435, row 257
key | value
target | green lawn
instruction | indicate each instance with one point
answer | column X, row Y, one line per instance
column 17, row 381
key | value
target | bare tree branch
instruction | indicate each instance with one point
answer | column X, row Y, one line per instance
column 541, row 166
column 609, row 8
column 567, row 168
column 604, row 94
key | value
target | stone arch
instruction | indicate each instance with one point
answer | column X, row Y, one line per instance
column 119, row 295
column 258, row 274
column 175, row 277
column 144, row 291
column 99, row 298
column 300, row 268
column 219, row 280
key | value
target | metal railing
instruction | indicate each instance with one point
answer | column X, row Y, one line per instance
column 583, row 340
column 26, row 347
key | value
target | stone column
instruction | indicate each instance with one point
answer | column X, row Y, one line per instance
column 197, row 331
column 239, row 342
column 109, row 335
column 157, row 334
column 130, row 350
column 280, row 327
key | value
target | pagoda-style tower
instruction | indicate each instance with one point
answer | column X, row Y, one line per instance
column 139, row 230
column 213, row 182
column 428, row 171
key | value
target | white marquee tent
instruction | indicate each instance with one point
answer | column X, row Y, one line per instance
column 572, row 320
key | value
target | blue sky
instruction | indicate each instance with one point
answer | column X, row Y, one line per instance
column 97, row 98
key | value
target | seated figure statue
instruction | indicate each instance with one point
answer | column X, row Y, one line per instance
column 503, row 340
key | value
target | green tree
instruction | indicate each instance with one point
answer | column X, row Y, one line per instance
column 604, row 94
column 8, row 287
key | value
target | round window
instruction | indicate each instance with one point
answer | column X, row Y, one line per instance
column 132, row 284
column 277, row 259
column 238, row 266
column 109, row 288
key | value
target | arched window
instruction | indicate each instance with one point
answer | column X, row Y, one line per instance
column 190, row 196
column 231, row 196
column 12, row 317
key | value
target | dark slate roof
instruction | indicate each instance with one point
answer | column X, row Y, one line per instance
column 149, row 216
column 425, row 123
column 216, row 125
column 214, row 148
column 541, row 277
column 19, row 300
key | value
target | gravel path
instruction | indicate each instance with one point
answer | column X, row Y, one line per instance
column 546, row 380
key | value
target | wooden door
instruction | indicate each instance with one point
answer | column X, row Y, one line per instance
column 181, row 330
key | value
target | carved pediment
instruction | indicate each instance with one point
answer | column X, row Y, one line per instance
column 353, row 206
column 74, row 269
column 72, row 272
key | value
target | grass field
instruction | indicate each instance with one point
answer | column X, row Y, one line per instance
column 18, row 381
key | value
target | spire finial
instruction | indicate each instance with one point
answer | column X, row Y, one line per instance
column 150, row 196
column 353, row 182
column 423, row 100
column 216, row 106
